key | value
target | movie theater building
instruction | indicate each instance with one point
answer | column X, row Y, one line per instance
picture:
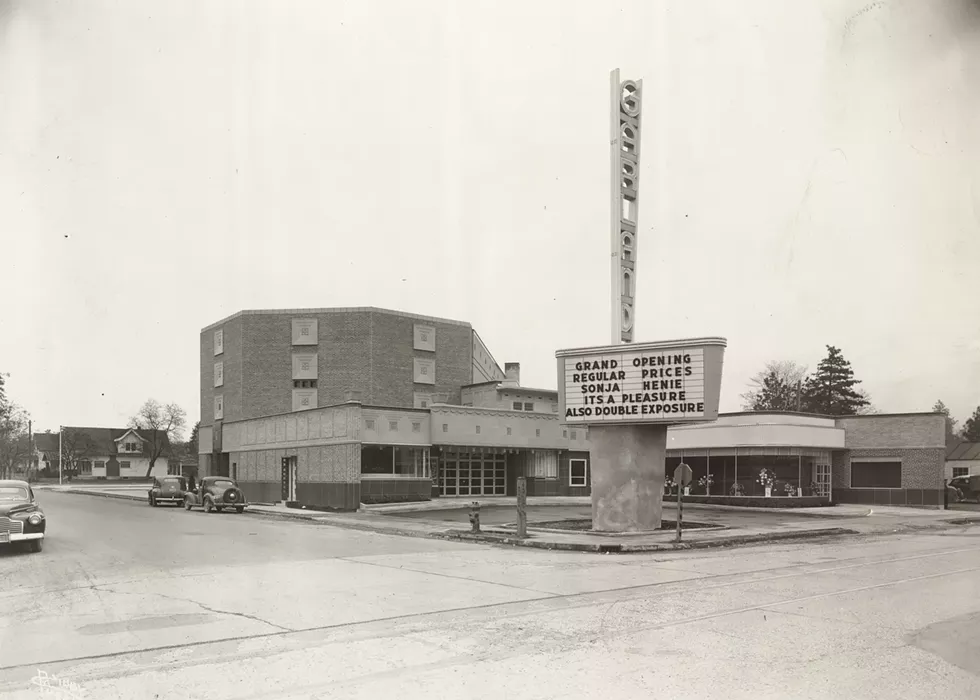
column 338, row 407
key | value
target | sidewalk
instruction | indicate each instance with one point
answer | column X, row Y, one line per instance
column 735, row 525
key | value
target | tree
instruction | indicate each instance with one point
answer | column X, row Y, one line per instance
column 951, row 436
column 76, row 446
column 160, row 426
column 868, row 409
column 13, row 434
column 776, row 388
column 831, row 389
column 971, row 429
column 192, row 441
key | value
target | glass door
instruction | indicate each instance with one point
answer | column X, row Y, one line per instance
column 823, row 480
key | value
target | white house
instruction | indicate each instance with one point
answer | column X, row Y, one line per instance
column 106, row 453
column 963, row 459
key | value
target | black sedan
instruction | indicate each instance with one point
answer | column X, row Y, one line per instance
column 167, row 489
column 21, row 517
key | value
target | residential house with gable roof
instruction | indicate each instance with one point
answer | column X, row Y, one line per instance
column 106, row 453
column 963, row 459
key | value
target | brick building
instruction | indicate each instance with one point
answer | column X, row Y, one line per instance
column 338, row 407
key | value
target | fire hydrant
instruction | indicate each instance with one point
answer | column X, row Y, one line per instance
column 475, row 516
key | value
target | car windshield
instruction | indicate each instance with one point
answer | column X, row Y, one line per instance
column 13, row 493
column 224, row 483
column 171, row 482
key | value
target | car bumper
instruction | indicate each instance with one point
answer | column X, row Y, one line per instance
column 219, row 504
column 21, row 537
column 168, row 499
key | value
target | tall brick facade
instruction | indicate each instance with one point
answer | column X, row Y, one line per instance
column 370, row 351
column 265, row 372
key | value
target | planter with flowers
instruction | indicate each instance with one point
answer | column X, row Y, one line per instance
column 668, row 486
column 767, row 479
column 705, row 482
column 789, row 489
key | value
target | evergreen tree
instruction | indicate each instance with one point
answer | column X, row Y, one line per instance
column 971, row 429
column 192, row 441
column 831, row 390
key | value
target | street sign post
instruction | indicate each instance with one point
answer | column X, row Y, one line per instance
column 682, row 477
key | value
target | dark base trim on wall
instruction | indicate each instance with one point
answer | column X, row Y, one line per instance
column 261, row 491
column 339, row 496
column 555, row 487
column 396, row 490
column 890, row 497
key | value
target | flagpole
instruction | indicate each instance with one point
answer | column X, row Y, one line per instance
column 61, row 466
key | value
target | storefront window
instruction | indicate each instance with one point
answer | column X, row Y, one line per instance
column 409, row 462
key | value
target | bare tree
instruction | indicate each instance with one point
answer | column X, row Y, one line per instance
column 14, row 442
column 776, row 388
column 867, row 409
column 76, row 446
column 161, row 426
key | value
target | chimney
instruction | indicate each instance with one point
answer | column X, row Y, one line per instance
column 512, row 374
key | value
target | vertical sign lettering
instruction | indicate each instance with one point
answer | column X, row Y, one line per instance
column 625, row 142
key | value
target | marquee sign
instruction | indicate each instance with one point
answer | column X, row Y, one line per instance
column 666, row 382
column 625, row 151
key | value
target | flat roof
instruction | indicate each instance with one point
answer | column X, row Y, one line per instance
column 334, row 310
column 527, row 389
column 499, row 382
column 826, row 415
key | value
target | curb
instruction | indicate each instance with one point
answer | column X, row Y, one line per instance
column 628, row 548
column 121, row 496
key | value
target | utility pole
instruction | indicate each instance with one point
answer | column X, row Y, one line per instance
column 30, row 449
column 61, row 466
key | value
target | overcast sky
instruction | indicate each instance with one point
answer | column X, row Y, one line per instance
column 810, row 176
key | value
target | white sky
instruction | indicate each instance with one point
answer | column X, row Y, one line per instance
column 810, row 176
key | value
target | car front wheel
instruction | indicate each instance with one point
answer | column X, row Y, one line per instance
column 35, row 545
column 239, row 509
column 208, row 506
column 153, row 503
column 187, row 504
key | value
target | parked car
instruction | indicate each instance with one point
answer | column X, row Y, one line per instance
column 167, row 489
column 215, row 493
column 21, row 517
column 967, row 488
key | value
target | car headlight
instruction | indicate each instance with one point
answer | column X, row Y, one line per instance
column 29, row 515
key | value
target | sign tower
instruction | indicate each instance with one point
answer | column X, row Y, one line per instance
column 626, row 106
column 627, row 393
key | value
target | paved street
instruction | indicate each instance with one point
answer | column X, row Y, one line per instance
column 133, row 602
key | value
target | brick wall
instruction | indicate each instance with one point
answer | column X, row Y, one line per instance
column 368, row 351
column 922, row 477
column 231, row 358
column 344, row 356
column 267, row 365
column 916, row 430
column 393, row 353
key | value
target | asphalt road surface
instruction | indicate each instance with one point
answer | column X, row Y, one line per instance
column 131, row 602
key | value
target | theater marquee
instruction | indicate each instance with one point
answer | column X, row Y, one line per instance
column 665, row 382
